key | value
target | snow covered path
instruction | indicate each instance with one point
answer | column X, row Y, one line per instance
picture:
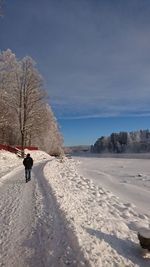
column 32, row 230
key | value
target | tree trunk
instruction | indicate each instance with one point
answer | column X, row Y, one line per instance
column 22, row 144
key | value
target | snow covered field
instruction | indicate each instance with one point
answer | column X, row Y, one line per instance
column 128, row 178
column 63, row 218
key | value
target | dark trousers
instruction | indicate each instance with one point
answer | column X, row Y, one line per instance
column 28, row 174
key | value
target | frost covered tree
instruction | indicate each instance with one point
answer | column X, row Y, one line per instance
column 138, row 141
column 56, row 139
column 8, row 65
column 29, row 99
column 50, row 139
column 22, row 93
column 24, row 106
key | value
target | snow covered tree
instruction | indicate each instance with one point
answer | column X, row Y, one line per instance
column 30, row 99
column 8, row 65
column 50, row 138
column 54, row 135
column 24, row 111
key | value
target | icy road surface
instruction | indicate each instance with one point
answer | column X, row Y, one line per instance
column 32, row 231
column 127, row 178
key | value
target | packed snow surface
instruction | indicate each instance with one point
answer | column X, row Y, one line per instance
column 63, row 217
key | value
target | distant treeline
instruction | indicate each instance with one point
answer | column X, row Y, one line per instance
column 77, row 149
column 132, row 142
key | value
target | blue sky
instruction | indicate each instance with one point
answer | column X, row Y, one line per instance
column 94, row 56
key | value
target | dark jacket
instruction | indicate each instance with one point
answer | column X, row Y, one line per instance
column 28, row 162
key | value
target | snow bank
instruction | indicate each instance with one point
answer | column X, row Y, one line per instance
column 9, row 161
column 106, row 228
column 38, row 155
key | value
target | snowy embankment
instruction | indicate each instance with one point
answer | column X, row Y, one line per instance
column 106, row 228
column 9, row 161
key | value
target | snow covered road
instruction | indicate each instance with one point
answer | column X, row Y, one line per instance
column 32, row 230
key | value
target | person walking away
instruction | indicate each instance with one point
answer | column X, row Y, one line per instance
column 28, row 163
